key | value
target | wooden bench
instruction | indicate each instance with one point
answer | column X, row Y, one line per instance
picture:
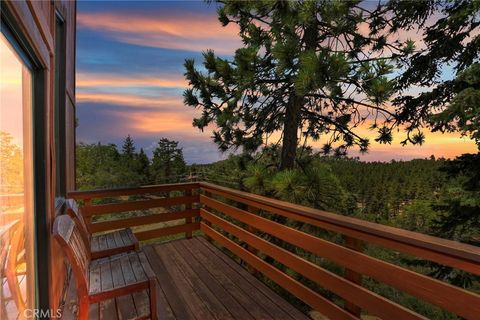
column 106, row 278
column 12, row 266
column 106, row 244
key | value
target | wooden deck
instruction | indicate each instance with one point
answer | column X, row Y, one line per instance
column 198, row 281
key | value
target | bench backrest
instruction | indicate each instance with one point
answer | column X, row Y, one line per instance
column 68, row 235
column 74, row 212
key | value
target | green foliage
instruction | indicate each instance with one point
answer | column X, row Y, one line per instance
column 11, row 165
column 103, row 166
column 128, row 148
column 462, row 114
column 450, row 32
column 98, row 166
column 460, row 204
column 418, row 216
column 168, row 164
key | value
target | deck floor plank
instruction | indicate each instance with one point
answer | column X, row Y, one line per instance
column 259, row 305
column 203, row 290
column 239, row 303
column 166, row 286
column 259, row 286
column 194, row 302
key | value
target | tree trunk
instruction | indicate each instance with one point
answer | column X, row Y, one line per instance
column 290, row 131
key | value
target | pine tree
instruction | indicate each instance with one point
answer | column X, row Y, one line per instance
column 453, row 40
column 168, row 163
column 143, row 166
column 446, row 105
column 128, row 148
column 306, row 67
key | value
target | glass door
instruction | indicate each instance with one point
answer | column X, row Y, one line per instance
column 17, row 250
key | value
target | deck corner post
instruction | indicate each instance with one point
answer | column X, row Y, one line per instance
column 188, row 206
column 209, row 195
column 250, row 248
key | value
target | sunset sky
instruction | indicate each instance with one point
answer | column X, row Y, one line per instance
column 130, row 78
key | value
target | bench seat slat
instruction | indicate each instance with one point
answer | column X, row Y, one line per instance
column 104, row 244
column 117, row 272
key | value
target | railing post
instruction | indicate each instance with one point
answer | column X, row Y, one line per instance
column 249, row 247
column 188, row 206
column 209, row 195
column 88, row 220
column 355, row 277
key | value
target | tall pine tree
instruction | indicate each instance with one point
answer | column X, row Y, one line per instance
column 167, row 163
column 308, row 69
column 128, row 148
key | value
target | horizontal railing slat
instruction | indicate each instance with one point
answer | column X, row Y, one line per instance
column 167, row 231
column 142, row 220
column 136, row 205
column 454, row 299
column 377, row 305
column 451, row 253
column 302, row 292
column 106, row 193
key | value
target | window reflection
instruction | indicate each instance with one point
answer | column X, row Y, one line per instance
column 16, row 185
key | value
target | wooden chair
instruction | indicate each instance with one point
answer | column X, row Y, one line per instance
column 16, row 266
column 106, row 278
column 7, row 234
column 106, row 244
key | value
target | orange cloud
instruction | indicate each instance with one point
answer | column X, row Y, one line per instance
column 158, row 122
column 448, row 145
column 128, row 99
column 113, row 80
column 186, row 32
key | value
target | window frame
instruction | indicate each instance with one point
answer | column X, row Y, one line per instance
column 59, row 110
column 11, row 30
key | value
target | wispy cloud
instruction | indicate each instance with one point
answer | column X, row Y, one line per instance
column 129, row 100
column 156, row 122
column 85, row 80
column 189, row 31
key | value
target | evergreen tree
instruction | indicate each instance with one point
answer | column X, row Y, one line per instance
column 128, row 148
column 446, row 105
column 143, row 166
column 453, row 40
column 306, row 66
column 11, row 165
column 168, row 163
column 98, row 166
column 460, row 205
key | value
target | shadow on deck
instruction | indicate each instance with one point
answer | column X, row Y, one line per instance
column 195, row 280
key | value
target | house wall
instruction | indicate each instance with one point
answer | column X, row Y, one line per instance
column 36, row 21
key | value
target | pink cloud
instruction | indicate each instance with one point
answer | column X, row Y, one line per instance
column 132, row 80
column 130, row 100
column 187, row 32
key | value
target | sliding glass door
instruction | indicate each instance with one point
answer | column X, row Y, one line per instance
column 17, row 236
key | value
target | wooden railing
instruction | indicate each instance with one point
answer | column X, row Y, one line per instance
column 236, row 206
column 241, row 222
column 110, row 216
